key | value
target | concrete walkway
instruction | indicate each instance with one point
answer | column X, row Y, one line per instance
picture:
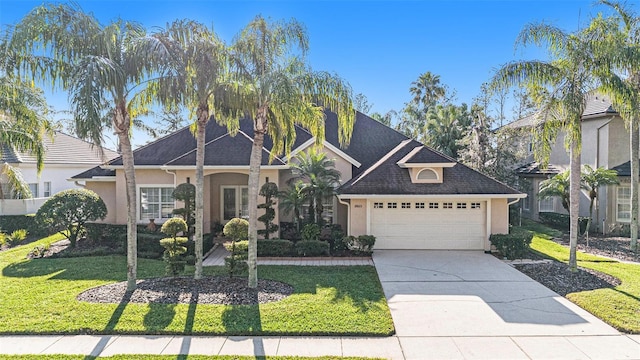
column 216, row 258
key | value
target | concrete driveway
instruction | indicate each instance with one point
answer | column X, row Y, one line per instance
column 469, row 293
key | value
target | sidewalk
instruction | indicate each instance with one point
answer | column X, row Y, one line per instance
column 394, row 347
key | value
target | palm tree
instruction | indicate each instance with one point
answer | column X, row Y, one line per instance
column 568, row 78
column 445, row 127
column 23, row 126
column 292, row 200
column 193, row 59
column 592, row 180
column 427, row 90
column 278, row 92
column 101, row 66
column 618, row 52
column 319, row 178
column 557, row 186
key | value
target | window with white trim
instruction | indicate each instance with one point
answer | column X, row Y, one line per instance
column 526, row 202
column 475, row 205
column 623, row 204
column 156, row 202
column 546, row 204
column 378, row 205
column 46, row 191
column 419, row 205
column 433, row 205
column 461, row 205
column 447, row 205
column 427, row 174
column 392, row 205
column 406, row 205
column 34, row 189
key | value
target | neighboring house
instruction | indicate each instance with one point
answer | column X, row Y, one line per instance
column 65, row 156
column 605, row 143
column 404, row 193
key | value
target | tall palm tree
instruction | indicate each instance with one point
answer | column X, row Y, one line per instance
column 427, row 90
column 592, row 180
column 193, row 60
column 445, row 127
column 568, row 78
column 618, row 53
column 277, row 91
column 101, row 66
column 319, row 178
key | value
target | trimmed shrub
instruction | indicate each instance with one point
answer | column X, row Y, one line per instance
column 241, row 247
column 236, row 263
column 288, row 231
column 562, row 221
column 237, row 229
column 275, row 247
column 312, row 248
column 148, row 245
column 512, row 246
column 270, row 191
column 361, row 244
column 174, row 249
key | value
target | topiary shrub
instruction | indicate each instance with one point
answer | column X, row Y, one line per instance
column 237, row 229
column 275, row 247
column 174, row 246
column 186, row 193
column 512, row 246
column 67, row 212
column 312, row 248
column 269, row 191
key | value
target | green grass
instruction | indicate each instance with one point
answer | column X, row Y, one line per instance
column 619, row 306
column 39, row 297
column 168, row 357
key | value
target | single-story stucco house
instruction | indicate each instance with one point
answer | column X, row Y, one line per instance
column 404, row 193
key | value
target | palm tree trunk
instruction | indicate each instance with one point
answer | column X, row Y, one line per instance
column 132, row 203
column 574, row 204
column 635, row 178
column 260, row 129
column 203, row 117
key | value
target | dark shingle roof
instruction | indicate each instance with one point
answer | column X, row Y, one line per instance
column 93, row 172
column 390, row 179
column 536, row 169
column 426, row 156
column 623, row 169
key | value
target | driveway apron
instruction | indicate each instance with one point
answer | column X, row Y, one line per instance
column 470, row 293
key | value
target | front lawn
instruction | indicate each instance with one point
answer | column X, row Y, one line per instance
column 619, row 306
column 39, row 297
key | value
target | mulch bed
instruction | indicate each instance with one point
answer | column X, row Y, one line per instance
column 221, row 290
column 609, row 246
column 557, row 277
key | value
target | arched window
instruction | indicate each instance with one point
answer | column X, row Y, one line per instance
column 427, row 174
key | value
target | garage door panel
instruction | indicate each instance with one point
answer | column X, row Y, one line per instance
column 425, row 228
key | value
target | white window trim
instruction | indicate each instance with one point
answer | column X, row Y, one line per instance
column 436, row 180
column 238, row 189
column 618, row 219
column 553, row 204
column 44, row 189
column 36, row 193
column 139, row 218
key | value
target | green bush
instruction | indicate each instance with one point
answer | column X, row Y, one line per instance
column 512, row 246
column 69, row 210
column 236, row 263
column 14, row 238
column 562, row 221
column 174, row 249
column 275, row 247
column 148, row 245
column 241, row 247
column 11, row 223
column 310, row 232
column 361, row 244
column 174, row 226
column 312, row 248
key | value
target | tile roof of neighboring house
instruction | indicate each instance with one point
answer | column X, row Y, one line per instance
column 597, row 104
column 623, row 169
column 390, row 179
column 94, row 172
column 536, row 169
column 62, row 149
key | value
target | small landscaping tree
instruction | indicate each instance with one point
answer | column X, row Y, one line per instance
column 186, row 193
column 269, row 191
column 68, row 211
column 174, row 246
column 592, row 180
column 237, row 229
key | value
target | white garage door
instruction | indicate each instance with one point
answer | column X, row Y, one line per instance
column 428, row 224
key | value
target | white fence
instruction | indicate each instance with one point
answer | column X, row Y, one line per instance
column 21, row 206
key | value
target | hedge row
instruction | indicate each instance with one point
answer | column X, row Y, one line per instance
column 512, row 246
column 279, row 247
column 11, row 223
column 562, row 221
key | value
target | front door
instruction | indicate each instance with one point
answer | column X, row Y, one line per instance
column 235, row 202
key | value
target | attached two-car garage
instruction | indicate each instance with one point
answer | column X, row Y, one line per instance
column 428, row 223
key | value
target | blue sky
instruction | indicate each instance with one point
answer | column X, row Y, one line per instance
column 379, row 47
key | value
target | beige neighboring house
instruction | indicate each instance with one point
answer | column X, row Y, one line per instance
column 407, row 195
column 65, row 156
column 605, row 143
